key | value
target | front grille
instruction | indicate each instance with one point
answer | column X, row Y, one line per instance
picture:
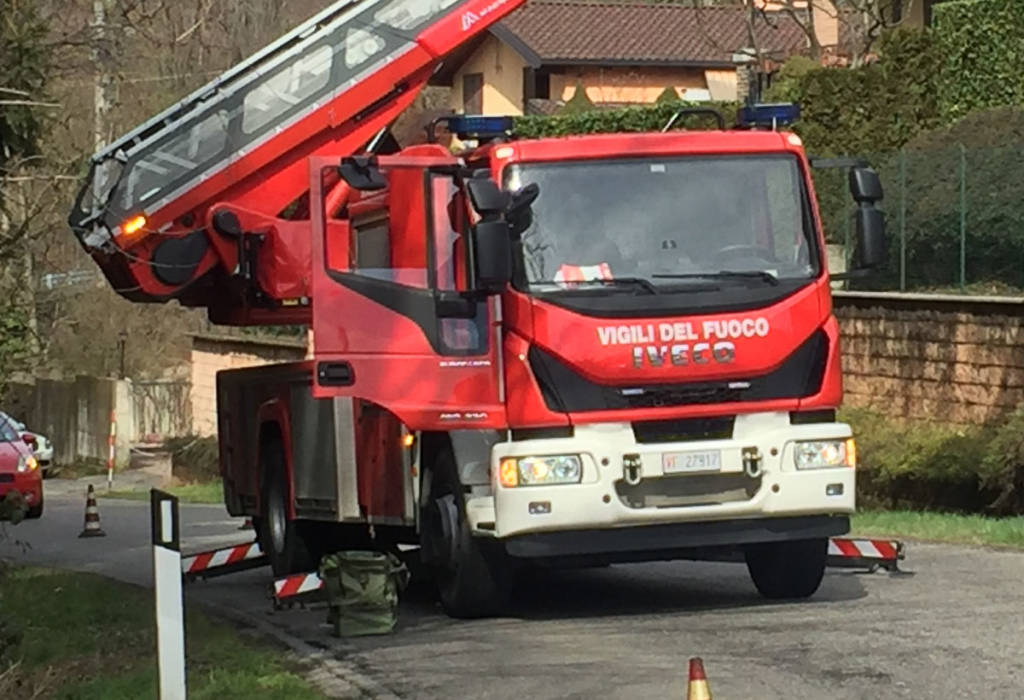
column 565, row 390
column 683, row 429
column 6, row 478
column 681, row 395
column 688, row 490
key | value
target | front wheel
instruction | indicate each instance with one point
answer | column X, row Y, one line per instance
column 787, row 569
column 470, row 573
column 35, row 511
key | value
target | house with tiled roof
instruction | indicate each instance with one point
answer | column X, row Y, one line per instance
column 619, row 52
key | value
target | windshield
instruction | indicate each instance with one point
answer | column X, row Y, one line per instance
column 666, row 219
column 8, row 432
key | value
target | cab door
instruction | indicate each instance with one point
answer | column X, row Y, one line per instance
column 391, row 322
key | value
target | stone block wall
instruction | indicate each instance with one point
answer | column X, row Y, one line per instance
column 955, row 360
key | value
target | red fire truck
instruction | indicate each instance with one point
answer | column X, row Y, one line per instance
column 563, row 351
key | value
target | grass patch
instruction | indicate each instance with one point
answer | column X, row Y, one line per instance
column 211, row 492
column 941, row 527
column 82, row 636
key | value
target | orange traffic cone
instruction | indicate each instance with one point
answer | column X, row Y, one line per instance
column 698, row 687
column 92, row 517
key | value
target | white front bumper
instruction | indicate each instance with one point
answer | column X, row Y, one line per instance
column 595, row 503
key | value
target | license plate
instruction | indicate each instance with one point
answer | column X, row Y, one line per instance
column 681, row 462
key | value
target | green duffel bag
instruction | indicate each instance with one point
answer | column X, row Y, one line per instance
column 362, row 590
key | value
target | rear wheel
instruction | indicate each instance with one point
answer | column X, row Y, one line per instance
column 787, row 569
column 470, row 572
column 279, row 535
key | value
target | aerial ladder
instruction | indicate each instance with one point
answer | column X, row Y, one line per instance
column 208, row 203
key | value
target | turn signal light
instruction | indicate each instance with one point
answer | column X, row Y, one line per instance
column 851, row 453
column 133, row 225
column 509, row 472
column 408, row 440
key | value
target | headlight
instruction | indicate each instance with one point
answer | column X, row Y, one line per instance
column 536, row 471
column 825, row 453
column 27, row 464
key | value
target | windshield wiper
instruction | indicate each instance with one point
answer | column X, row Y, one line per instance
column 758, row 274
column 636, row 282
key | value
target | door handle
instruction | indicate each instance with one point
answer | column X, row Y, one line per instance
column 335, row 374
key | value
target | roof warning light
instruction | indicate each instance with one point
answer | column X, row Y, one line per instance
column 770, row 115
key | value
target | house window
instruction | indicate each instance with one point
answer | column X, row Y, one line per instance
column 536, row 84
column 473, row 93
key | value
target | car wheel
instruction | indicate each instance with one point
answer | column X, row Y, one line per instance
column 35, row 511
column 787, row 569
column 470, row 573
column 279, row 536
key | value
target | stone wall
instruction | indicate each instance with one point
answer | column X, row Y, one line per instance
column 212, row 353
column 938, row 358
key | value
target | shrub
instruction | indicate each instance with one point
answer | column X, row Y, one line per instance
column 983, row 64
column 194, row 459
column 904, row 464
column 1003, row 466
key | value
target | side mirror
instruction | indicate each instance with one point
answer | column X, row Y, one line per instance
column 29, row 439
column 486, row 197
column 361, row 173
column 870, row 227
column 865, row 185
column 492, row 250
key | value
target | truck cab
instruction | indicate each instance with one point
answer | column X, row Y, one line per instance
column 610, row 347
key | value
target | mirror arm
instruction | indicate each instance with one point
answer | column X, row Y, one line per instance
column 854, row 274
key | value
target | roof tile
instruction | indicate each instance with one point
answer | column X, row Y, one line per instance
column 643, row 33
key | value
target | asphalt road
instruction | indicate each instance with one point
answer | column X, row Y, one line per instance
column 953, row 629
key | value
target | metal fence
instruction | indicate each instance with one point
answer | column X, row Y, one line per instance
column 954, row 216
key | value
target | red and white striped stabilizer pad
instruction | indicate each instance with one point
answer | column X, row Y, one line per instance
column 203, row 562
column 297, row 584
column 860, row 552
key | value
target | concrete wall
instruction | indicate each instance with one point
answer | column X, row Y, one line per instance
column 75, row 414
column 502, row 70
column 212, row 353
column 623, row 84
column 954, row 360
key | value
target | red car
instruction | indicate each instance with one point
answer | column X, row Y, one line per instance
column 19, row 471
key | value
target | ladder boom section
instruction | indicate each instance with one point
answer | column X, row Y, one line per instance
column 146, row 209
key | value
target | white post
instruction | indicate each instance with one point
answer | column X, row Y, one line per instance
column 170, row 625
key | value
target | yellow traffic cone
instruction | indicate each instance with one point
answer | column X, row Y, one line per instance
column 698, row 687
column 92, row 517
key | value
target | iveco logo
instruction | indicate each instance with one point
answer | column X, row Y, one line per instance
column 682, row 354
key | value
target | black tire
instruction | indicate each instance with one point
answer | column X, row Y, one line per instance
column 35, row 511
column 471, row 574
column 279, row 536
column 783, row 570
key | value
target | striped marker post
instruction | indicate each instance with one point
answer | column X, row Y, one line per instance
column 218, row 562
column 111, row 441
column 291, row 586
column 870, row 553
column 170, row 625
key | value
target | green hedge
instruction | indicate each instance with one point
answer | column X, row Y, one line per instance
column 628, row 119
column 929, row 466
column 982, row 42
